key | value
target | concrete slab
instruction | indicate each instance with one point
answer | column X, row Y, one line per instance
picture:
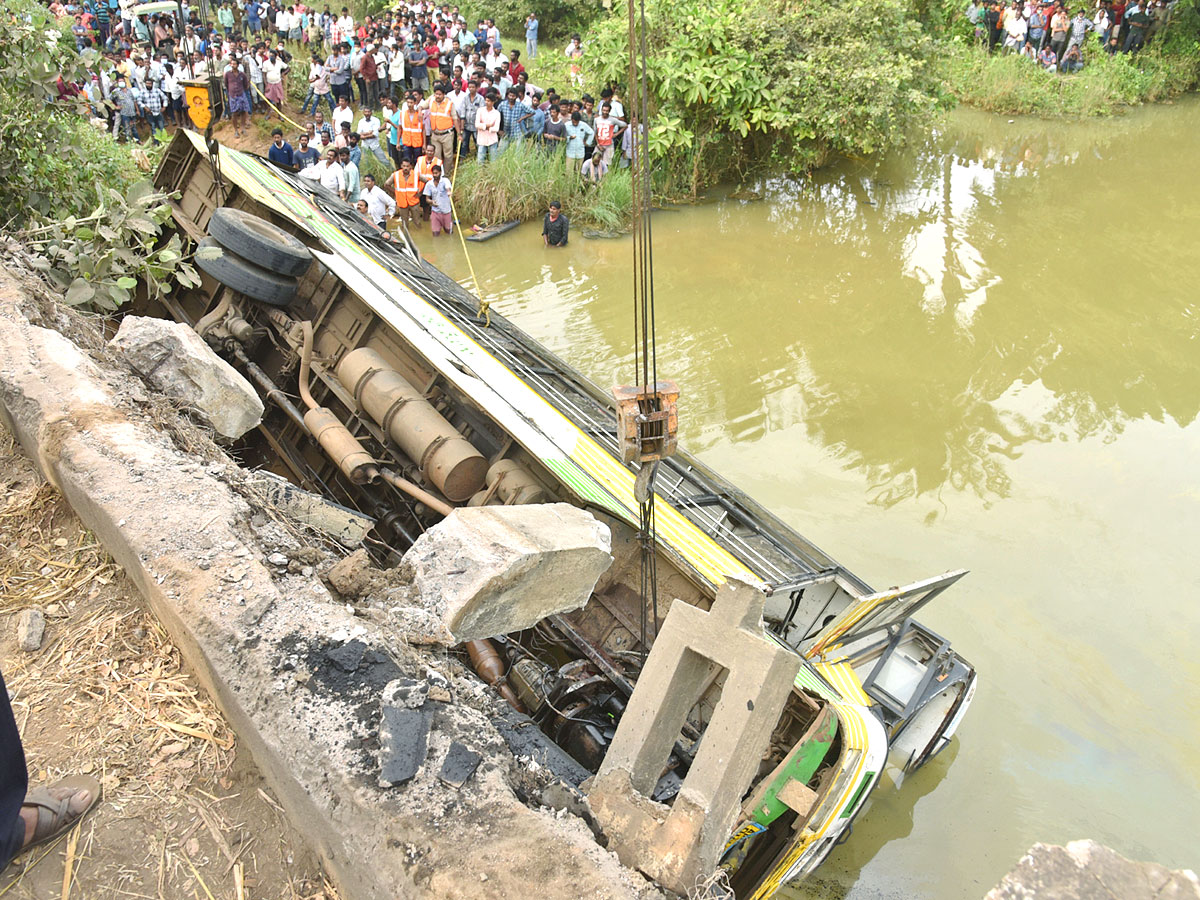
column 258, row 639
column 679, row 846
column 489, row 570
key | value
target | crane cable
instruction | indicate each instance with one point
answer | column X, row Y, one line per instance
column 645, row 354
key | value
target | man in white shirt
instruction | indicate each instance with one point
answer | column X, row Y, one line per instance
column 328, row 173
column 380, row 204
column 343, row 113
column 368, row 133
column 344, row 26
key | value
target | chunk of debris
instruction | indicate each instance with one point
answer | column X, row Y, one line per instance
column 460, row 764
column 176, row 361
column 31, row 628
column 348, row 656
column 559, row 795
column 355, row 576
column 403, row 731
column 681, row 844
column 492, row 570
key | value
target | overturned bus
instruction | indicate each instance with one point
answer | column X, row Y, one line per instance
column 412, row 404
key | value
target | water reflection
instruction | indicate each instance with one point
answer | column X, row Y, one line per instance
column 924, row 318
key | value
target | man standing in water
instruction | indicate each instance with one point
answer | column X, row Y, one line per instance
column 555, row 226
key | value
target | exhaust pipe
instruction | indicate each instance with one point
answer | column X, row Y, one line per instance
column 444, row 456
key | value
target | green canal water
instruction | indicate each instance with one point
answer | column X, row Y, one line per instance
column 983, row 352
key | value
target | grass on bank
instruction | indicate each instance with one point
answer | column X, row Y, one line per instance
column 1013, row 84
column 526, row 177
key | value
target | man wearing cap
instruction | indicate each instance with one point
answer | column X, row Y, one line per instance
column 280, row 151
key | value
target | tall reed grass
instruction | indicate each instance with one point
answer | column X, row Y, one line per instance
column 1013, row 84
column 526, row 177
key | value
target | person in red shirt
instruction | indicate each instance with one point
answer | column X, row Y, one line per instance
column 514, row 67
column 433, row 64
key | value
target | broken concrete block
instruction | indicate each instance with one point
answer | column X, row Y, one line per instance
column 403, row 731
column 459, row 765
column 489, row 570
column 31, row 628
column 679, row 846
column 176, row 361
column 405, row 693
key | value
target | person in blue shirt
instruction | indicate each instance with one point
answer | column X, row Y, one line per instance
column 531, row 34
column 281, row 152
column 537, row 124
column 514, row 117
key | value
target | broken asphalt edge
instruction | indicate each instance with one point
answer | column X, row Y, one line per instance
column 157, row 512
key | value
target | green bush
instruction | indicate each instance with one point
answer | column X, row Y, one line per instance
column 68, row 191
column 732, row 82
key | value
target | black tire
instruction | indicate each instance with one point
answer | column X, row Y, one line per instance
column 257, row 240
column 246, row 278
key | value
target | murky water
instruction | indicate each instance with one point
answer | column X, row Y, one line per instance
column 984, row 352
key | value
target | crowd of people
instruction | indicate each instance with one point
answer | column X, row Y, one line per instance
column 417, row 88
column 1045, row 32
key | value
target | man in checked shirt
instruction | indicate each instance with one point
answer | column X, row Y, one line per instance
column 150, row 101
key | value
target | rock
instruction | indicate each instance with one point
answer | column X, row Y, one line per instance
column 175, row 360
column 559, row 795
column 348, row 656
column 405, row 693
column 489, row 570
column 353, row 576
column 1085, row 869
column 279, row 560
column 31, row 628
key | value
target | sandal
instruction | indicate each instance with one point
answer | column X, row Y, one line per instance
column 54, row 816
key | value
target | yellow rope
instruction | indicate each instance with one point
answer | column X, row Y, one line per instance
column 484, row 312
column 295, row 125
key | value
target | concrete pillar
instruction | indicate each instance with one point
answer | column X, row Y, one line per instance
column 680, row 845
